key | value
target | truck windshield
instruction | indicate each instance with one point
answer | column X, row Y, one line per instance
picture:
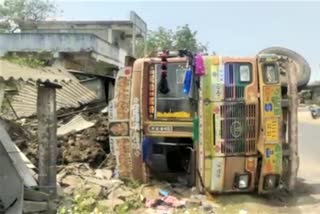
column 175, row 104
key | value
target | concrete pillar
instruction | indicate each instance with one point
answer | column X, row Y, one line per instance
column 2, row 87
column 47, row 138
column 134, row 40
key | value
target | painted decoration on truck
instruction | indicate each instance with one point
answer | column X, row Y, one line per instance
column 217, row 174
column 152, row 92
column 121, row 98
column 207, row 113
column 272, row 159
column 119, row 128
column 271, row 101
column 208, row 146
column 180, row 115
column 121, row 147
column 208, row 129
column 251, row 164
column 119, row 123
column 206, row 79
column 217, row 79
column 200, row 154
column 272, row 130
column 135, row 127
column 119, row 106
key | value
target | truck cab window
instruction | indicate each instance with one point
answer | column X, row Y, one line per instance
column 175, row 104
column 270, row 73
column 245, row 72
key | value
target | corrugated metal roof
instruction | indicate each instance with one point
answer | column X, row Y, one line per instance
column 12, row 71
column 77, row 123
column 72, row 95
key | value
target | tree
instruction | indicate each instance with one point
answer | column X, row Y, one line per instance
column 163, row 39
column 26, row 10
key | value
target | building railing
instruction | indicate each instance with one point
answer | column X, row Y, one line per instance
column 62, row 42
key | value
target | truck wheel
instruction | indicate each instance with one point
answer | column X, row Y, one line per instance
column 304, row 70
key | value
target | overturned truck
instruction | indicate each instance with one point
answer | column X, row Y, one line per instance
column 225, row 124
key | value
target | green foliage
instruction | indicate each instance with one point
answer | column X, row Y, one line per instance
column 23, row 10
column 163, row 39
column 31, row 60
column 306, row 95
column 132, row 203
column 131, row 183
column 84, row 202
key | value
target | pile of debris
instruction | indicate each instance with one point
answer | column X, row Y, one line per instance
column 85, row 138
column 82, row 137
column 86, row 170
column 100, row 190
column 98, row 187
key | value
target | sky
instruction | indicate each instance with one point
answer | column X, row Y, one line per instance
column 231, row 28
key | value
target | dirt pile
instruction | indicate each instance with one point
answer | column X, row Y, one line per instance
column 89, row 145
column 79, row 143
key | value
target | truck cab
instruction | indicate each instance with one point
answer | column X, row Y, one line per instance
column 225, row 133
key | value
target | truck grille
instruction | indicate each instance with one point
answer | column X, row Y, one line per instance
column 238, row 128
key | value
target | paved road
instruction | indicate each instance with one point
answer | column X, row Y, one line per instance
column 309, row 171
column 306, row 198
column 309, row 147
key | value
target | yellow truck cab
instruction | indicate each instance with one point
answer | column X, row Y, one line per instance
column 222, row 125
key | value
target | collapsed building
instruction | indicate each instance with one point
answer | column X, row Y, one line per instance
column 91, row 50
column 80, row 59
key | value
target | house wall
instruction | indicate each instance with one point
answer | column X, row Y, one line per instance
column 97, row 86
column 103, row 31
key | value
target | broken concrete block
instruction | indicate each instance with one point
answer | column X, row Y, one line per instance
column 104, row 183
column 103, row 174
column 71, row 180
column 120, row 193
column 93, row 189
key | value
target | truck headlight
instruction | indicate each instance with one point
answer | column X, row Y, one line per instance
column 242, row 180
column 271, row 181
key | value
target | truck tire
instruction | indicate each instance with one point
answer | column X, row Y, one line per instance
column 304, row 70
